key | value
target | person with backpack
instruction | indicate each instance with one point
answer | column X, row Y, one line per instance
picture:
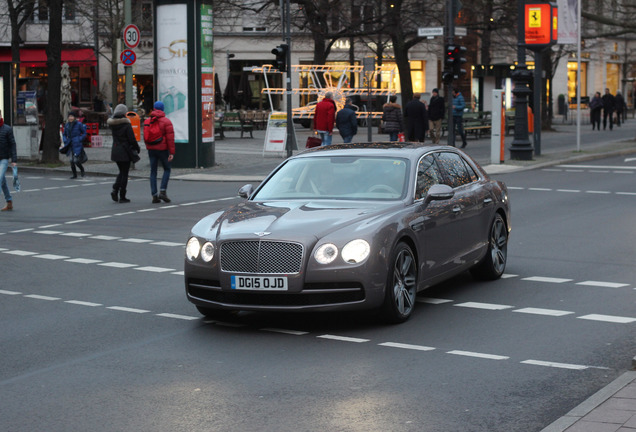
column 124, row 151
column 74, row 136
column 159, row 140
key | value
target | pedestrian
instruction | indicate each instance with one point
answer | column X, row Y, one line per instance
column 160, row 149
column 8, row 154
column 73, row 137
column 609, row 105
column 458, row 115
column 392, row 118
column 125, row 151
column 417, row 119
column 347, row 122
column 620, row 107
column 596, row 105
column 324, row 118
column 436, row 113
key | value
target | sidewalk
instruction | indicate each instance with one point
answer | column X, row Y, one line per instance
column 243, row 159
column 613, row 408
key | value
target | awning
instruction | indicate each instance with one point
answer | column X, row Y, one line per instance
column 36, row 57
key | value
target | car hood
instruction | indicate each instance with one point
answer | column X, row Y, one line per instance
column 293, row 220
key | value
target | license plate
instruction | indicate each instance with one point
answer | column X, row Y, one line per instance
column 261, row 283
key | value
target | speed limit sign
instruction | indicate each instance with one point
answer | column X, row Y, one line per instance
column 131, row 36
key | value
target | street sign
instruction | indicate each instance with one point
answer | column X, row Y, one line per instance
column 128, row 57
column 132, row 36
column 430, row 31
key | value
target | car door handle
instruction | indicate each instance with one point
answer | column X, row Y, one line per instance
column 488, row 201
column 457, row 209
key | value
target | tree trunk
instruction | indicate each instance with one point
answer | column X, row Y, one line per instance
column 54, row 68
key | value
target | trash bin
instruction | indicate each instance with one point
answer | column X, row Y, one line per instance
column 135, row 121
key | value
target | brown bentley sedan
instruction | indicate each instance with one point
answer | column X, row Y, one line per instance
column 349, row 227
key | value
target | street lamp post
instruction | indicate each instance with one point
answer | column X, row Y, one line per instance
column 229, row 77
column 521, row 148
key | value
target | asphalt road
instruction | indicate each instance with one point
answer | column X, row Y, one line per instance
column 97, row 334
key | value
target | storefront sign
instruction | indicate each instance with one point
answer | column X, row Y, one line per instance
column 540, row 24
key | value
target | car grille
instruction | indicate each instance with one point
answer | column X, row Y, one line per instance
column 259, row 256
column 338, row 294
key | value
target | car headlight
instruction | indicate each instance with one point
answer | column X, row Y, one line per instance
column 193, row 247
column 356, row 251
column 326, row 253
column 207, row 252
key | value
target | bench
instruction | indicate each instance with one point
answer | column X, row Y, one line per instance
column 235, row 121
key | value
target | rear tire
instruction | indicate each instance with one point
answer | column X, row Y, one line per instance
column 492, row 266
column 401, row 285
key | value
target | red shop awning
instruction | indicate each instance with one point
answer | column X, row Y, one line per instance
column 36, row 57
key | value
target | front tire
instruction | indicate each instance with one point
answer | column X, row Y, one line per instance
column 401, row 286
column 492, row 266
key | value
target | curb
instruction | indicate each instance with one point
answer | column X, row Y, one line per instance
column 592, row 402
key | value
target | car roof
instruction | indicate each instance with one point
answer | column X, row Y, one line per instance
column 399, row 149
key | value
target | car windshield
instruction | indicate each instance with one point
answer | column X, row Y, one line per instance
column 339, row 178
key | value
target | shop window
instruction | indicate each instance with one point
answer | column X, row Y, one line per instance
column 613, row 77
column 69, row 10
column 572, row 80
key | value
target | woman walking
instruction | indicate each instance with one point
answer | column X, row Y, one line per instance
column 73, row 136
column 125, row 150
column 392, row 117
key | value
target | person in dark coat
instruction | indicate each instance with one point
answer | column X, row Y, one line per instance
column 620, row 107
column 347, row 122
column 596, row 105
column 8, row 155
column 124, row 144
column 609, row 105
column 74, row 136
column 416, row 119
column 392, row 118
column 436, row 113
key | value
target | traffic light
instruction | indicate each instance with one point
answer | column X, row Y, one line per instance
column 453, row 61
column 459, row 61
column 281, row 57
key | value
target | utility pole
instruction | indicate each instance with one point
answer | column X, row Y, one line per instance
column 450, row 37
column 128, row 69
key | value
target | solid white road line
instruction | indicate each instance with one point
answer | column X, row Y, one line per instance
column 487, row 306
column 41, row 297
column 432, row 300
column 343, row 338
column 554, row 365
column 176, row 316
column 125, row 309
column 83, row 261
column 546, row 279
column 284, row 331
column 82, row 303
column 547, row 312
column 478, row 355
column 608, row 318
column 602, row 284
column 407, row 346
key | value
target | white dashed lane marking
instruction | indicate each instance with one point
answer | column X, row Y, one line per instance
column 547, row 312
column 608, row 318
column 397, row 345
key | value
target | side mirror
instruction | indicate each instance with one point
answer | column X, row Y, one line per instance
column 246, row 191
column 439, row 192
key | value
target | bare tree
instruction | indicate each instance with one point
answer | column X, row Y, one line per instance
column 19, row 12
column 54, row 70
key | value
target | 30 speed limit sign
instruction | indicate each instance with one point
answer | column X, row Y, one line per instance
column 131, row 36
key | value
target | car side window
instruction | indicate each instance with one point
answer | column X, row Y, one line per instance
column 428, row 174
column 454, row 168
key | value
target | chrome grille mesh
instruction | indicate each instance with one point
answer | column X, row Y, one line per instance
column 258, row 256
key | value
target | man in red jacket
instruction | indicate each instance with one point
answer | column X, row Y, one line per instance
column 163, row 152
column 324, row 118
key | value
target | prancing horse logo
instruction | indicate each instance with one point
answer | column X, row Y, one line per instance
column 262, row 233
